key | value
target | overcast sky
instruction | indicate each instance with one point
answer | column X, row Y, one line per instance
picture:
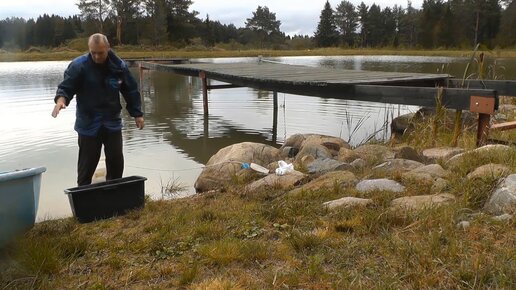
column 296, row 16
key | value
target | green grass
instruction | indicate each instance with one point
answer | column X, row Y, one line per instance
column 136, row 52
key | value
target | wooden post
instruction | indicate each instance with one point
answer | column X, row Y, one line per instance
column 483, row 129
column 141, row 78
column 204, row 82
column 484, row 106
column 275, row 117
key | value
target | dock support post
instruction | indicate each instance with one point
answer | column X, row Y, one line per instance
column 483, row 129
column 275, row 117
column 204, row 82
column 141, row 78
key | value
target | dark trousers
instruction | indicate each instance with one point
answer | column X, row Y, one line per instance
column 89, row 155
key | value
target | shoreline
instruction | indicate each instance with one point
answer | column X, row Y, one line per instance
column 125, row 53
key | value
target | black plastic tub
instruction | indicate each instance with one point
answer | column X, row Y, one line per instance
column 107, row 199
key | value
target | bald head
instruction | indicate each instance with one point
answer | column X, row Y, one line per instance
column 98, row 45
column 98, row 38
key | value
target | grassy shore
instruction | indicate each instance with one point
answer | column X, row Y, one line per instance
column 133, row 52
column 277, row 240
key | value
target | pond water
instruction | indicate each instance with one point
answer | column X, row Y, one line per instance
column 177, row 139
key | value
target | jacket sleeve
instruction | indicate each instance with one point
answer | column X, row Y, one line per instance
column 69, row 86
column 131, row 94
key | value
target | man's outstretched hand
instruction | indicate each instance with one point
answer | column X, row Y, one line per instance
column 140, row 122
column 60, row 104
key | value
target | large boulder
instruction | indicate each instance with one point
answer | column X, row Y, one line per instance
column 227, row 162
column 379, row 184
column 409, row 153
column 397, row 165
column 318, row 146
column 401, row 123
column 421, row 202
column 348, row 202
column 347, row 155
column 503, row 199
column 490, row 170
column 274, row 181
column 432, row 155
column 341, row 179
column 374, row 154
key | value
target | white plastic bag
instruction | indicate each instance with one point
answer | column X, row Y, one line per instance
column 284, row 168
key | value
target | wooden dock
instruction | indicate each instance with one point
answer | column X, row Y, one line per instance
column 386, row 87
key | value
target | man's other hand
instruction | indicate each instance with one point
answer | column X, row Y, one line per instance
column 140, row 122
column 60, row 104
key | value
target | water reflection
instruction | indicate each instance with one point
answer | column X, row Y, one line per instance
column 178, row 139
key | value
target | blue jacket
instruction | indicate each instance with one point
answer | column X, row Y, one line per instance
column 98, row 89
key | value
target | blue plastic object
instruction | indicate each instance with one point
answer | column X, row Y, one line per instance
column 19, row 198
column 246, row 165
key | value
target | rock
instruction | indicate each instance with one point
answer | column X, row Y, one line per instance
column 379, row 184
column 359, row 163
column 398, row 165
column 503, row 217
column 418, row 177
column 420, row 202
column 347, row 155
column 409, row 153
column 347, row 202
column 439, row 185
column 273, row 181
column 490, row 170
column 326, row 165
column 374, row 154
column 487, row 149
column 463, row 225
column 227, row 162
column 289, row 152
column 319, row 146
column 432, row 155
column 434, row 170
column 342, row 179
column 503, row 199
column 307, row 160
column 401, row 123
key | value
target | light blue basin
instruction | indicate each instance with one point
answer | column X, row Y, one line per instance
column 19, row 197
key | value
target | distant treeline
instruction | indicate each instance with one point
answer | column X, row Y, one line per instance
column 438, row 24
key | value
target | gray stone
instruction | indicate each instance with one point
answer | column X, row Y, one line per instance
column 490, row 170
column 359, row 163
column 398, row 165
column 348, row 202
column 418, row 177
column 401, row 123
column 342, row 179
column 374, row 154
column 326, row 165
column 319, row 146
column 503, row 199
column 347, row 155
column 443, row 153
column 273, row 181
column 409, row 153
column 434, row 170
column 228, row 161
column 421, row 202
column 379, row 184
column 502, row 218
column 439, row 185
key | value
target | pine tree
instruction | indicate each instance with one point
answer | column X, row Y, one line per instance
column 347, row 21
column 363, row 11
column 326, row 34
column 94, row 9
column 264, row 25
